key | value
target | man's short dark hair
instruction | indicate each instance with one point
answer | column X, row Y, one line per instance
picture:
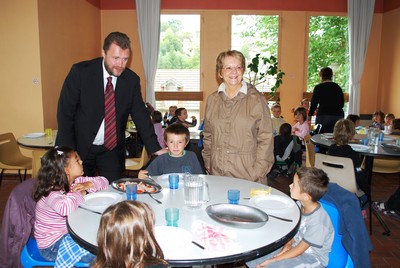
column 120, row 39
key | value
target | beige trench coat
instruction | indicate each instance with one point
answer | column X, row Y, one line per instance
column 238, row 139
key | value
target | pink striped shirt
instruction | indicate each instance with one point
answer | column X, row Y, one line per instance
column 52, row 211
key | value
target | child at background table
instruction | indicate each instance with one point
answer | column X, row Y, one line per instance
column 343, row 132
column 177, row 160
column 378, row 118
column 156, row 117
column 181, row 116
column 276, row 118
column 388, row 122
column 301, row 128
column 312, row 243
column 169, row 115
column 355, row 119
column 58, row 191
column 126, row 237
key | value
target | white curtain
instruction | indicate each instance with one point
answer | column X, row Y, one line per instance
column 148, row 13
column 360, row 13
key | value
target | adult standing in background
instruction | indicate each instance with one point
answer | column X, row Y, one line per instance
column 81, row 112
column 238, row 140
column 329, row 99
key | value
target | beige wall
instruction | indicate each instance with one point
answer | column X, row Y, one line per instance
column 389, row 82
column 21, row 98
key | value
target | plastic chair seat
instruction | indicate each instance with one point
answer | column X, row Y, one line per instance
column 30, row 256
column 137, row 163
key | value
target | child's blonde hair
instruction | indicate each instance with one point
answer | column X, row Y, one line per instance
column 126, row 237
column 343, row 131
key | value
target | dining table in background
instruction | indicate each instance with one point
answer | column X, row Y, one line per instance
column 250, row 243
column 369, row 154
column 39, row 143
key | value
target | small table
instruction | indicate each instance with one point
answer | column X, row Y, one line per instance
column 252, row 242
column 369, row 155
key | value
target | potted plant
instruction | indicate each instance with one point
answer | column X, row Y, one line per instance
column 264, row 69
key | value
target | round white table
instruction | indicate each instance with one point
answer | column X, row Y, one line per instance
column 83, row 224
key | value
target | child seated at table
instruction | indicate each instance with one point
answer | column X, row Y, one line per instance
column 58, row 191
column 355, row 119
column 388, row 122
column 276, row 118
column 343, row 132
column 301, row 128
column 287, row 151
column 177, row 160
column 156, row 117
column 126, row 237
column 378, row 118
column 312, row 243
column 181, row 116
column 169, row 115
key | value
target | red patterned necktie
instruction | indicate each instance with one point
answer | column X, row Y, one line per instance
column 110, row 131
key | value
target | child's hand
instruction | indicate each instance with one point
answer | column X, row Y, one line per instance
column 265, row 263
column 143, row 174
column 82, row 187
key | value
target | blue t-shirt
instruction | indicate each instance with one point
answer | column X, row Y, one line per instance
column 165, row 163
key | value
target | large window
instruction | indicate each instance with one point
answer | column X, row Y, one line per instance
column 256, row 34
column 328, row 46
column 177, row 79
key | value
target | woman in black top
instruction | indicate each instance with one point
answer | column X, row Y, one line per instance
column 329, row 99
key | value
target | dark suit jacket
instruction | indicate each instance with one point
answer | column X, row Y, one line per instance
column 81, row 108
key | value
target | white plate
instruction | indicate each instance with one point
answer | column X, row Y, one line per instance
column 34, row 135
column 272, row 202
column 328, row 135
column 172, row 240
column 164, row 181
column 101, row 200
column 359, row 147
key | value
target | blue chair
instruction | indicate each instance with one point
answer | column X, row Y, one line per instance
column 338, row 258
column 30, row 256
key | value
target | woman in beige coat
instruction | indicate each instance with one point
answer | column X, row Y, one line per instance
column 238, row 140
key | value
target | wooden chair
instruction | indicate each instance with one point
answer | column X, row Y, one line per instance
column 310, row 151
column 36, row 161
column 11, row 157
column 135, row 164
column 385, row 165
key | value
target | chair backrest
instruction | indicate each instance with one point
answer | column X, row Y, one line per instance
column 339, row 169
column 36, row 161
column 10, row 153
column 338, row 257
column 310, row 151
column 139, row 162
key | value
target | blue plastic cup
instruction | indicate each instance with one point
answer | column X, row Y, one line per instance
column 173, row 181
column 172, row 216
column 381, row 136
column 233, row 196
column 365, row 141
column 131, row 191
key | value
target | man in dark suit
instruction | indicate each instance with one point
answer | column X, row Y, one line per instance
column 81, row 109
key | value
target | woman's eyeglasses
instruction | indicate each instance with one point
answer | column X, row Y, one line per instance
column 230, row 69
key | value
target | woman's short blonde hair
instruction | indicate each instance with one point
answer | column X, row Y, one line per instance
column 230, row 53
column 343, row 131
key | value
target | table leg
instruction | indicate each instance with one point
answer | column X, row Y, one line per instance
column 369, row 164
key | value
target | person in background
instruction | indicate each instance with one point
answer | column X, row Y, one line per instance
column 126, row 237
column 178, row 160
column 238, row 138
column 169, row 115
column 312, row 243
column 276, row 118
column 81, row 110
column 355, row 119
column 158, row 127
column 388, row 126
column 328, row 98
column 58, row 191
column 343, row 132
column 181, row 116
column 395, row 127
column 301, row 128
column 378, row 120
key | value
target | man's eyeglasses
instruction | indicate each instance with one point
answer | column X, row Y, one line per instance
column 233, row 68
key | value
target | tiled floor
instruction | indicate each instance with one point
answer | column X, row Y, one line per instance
column 386, row 251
